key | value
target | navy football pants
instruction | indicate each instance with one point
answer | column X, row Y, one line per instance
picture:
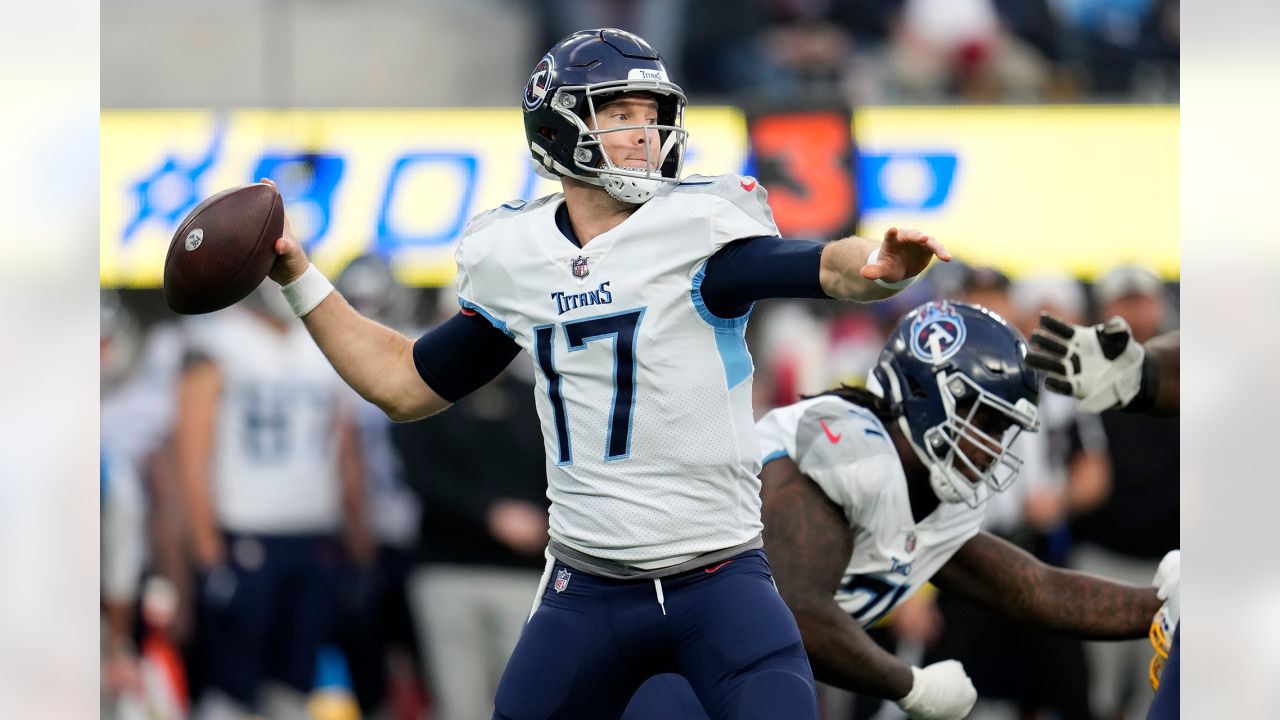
column 270, row 617
column 1168, row 702
column 590, row 646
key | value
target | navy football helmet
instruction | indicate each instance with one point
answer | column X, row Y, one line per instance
column 956, row 378
column 371, row 287
column 560, row 102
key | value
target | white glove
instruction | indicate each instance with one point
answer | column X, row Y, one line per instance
column 1168, row 576
column 1100, row 365
column 941, row 691
column 1167, row 583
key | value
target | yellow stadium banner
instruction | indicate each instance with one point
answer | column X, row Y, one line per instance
column 1067, row 189
column 1040, row 189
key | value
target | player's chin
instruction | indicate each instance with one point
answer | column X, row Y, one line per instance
column 974, row 471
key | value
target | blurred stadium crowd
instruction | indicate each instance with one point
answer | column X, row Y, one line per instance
column 391, row 567
column 863, row 51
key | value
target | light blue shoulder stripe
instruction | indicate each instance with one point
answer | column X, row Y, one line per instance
column 493, row 320
column 775, row 455
column 730, row 334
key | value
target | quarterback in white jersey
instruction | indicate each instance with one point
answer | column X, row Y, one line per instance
column 630, row 290
column 644, row 394
column 869, row 496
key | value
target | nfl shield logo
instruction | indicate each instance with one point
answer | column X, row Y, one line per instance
column 579, row 265
column 562, row 580
column 911, row 542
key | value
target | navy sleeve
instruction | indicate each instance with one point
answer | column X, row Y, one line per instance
column 462, row 354
column 758, row 268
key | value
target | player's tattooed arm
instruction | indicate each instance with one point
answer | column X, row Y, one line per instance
column 850, row 272
column 1164, row 352
column 809, row 544
column 1004, row 578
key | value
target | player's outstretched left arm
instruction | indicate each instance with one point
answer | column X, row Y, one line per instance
column 1006, row 579
column 855, row 268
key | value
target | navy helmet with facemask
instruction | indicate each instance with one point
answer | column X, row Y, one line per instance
column 955, row 376
column 579, row 75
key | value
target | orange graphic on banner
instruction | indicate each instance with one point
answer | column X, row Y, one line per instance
column 804, row 160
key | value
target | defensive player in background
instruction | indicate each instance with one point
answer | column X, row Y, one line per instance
column 631, row 290
column 377, row 629
column 908, row 470
column 1105, row 369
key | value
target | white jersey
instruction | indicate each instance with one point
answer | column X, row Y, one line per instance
column 846, row 450
column 644, row 395
column 275, row 452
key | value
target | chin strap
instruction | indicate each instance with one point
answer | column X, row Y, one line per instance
column 631, row 190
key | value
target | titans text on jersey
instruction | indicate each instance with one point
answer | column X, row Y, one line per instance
column 572, row 300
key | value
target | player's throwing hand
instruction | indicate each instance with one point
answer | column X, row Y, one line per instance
column 1100, row 365
column 291, row 262
column 904, row 254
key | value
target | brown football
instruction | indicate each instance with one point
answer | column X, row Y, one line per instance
column 223, row 249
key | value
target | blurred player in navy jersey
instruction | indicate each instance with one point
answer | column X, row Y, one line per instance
column 378, row 633
column 631, row 290
column 1106, row 368
column 1127, row 533
column 484, row 531
column 261, row 435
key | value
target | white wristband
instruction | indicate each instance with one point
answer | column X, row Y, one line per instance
column 307, row 291
column 871, row 260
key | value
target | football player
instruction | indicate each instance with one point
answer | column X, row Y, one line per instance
column 1106, row 369
column 631, row 290
column 265, row 455
column 868, row 496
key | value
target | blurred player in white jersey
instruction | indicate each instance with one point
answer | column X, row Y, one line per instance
column 261, row 436
column 631, row 290
column 869, row 496
column 139, row 517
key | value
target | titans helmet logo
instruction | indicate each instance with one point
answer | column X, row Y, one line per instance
column 535, row 91
column 937, row 333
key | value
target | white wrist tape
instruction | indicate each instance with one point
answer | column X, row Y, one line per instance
column 307, row 291
column 872, row 259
